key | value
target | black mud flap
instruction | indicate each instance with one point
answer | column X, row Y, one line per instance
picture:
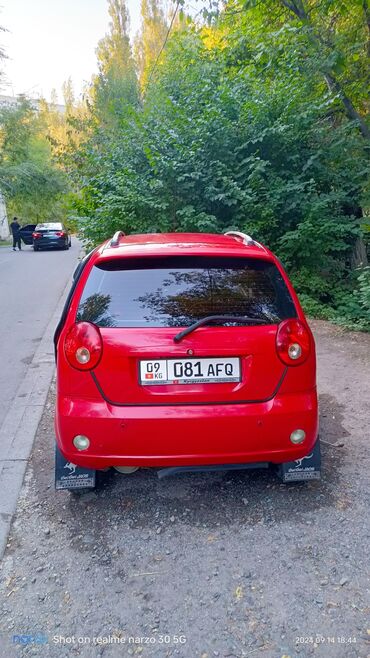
column 306, row 468
column 70, row 476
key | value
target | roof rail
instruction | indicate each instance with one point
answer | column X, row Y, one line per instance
column 116, row 238
column 244, row 237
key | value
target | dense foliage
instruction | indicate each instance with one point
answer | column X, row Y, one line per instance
column 255, row 121
column 31, row 183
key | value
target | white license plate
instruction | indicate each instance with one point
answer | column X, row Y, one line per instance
column 190, row 371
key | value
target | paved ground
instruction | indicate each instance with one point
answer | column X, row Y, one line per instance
column 30, row 287
column 202, row 565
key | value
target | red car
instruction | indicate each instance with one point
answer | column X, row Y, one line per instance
column 185, row 350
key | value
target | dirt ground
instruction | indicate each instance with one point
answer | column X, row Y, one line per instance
column 201, row 565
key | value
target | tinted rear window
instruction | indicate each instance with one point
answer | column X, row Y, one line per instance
column 49, row 226
column 175, row 292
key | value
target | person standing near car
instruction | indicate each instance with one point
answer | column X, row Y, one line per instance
column 15, row 228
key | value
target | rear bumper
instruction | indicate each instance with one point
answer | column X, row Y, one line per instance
column 186, row 435
column 57, row 243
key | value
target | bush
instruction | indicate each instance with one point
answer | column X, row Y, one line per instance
column 353, row 310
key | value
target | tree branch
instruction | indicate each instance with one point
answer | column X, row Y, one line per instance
column 351, row 112
column 297, row 8
column 366, row 9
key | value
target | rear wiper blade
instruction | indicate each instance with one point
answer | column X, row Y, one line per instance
column 217, row 318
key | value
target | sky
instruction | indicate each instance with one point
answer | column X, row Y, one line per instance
column 49, row 41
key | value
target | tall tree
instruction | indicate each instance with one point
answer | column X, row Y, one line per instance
column 115, row 86
column 148, row 45
column 338, row 36
column 31, row 183
column 63, row 126
column 323, row 42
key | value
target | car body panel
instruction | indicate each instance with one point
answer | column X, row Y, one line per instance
column 118, row 374
column 182, row 435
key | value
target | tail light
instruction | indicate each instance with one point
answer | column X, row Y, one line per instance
column 61, row 234
column 293, row 342
column 83, row 346
column 36, row 235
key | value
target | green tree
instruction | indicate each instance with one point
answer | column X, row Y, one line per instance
column 151, row 38
column 322, row 42
column 31, row 183
column 63, row 129
column 337, row 35
column 115, row 86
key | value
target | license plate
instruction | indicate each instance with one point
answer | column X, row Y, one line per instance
column 190, row 371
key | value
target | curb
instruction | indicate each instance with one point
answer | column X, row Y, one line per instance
column 18, row 431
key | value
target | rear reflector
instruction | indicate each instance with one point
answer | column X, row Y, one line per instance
column 83, row 346
column 297, row 436
column 81, row 442
column 293, row 342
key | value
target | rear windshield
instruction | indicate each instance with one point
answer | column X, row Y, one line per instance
column 175, row 292
column 49, row 226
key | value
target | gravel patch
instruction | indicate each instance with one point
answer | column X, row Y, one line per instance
column 201, row 565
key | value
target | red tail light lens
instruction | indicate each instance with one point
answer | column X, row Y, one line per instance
column 60, row 234
column 293, row 342
column 83, row 346
column 36, row 235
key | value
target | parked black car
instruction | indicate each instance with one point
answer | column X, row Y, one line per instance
column 51, row 235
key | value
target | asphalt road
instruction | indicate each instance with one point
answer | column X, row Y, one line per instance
column 232, row 565
column 30, row 287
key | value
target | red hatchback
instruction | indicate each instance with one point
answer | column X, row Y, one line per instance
column 183, row 350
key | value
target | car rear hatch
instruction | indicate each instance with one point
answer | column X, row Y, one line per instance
column 142, row 305
column 49, row 234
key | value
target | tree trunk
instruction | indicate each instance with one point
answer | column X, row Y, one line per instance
column 351, row 113
column 359, row 255
column 366, row 9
